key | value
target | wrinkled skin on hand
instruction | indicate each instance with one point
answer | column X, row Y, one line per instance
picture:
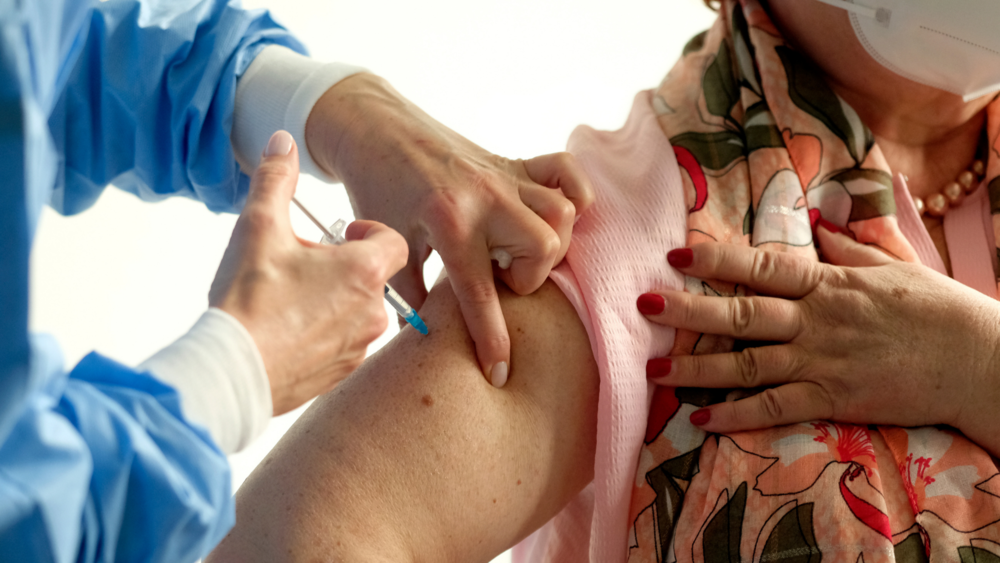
column 865, row 339
column 443, row 192
column 311, row 309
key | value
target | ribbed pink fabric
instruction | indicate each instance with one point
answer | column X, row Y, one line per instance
column 913, row 228
column 619, row 252
column 968, row 232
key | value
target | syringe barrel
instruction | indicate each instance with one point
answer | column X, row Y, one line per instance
column 397, row 302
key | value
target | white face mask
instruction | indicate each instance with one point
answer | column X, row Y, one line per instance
column 952, row 45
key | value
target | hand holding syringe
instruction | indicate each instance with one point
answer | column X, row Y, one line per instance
column 334, row 236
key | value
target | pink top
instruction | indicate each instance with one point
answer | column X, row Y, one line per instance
column 968, row 231
column 619, row 252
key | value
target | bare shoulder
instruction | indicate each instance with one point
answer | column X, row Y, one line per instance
column 417, row 457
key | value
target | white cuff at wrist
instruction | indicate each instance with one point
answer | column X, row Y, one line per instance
column 278, row 91
column 220, row 376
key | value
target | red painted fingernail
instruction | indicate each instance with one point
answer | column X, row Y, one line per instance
column 657, row 368
column 680, row 257
column 700, row 417
column 650, row 304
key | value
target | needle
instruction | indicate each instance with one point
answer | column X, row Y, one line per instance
column 394, row 299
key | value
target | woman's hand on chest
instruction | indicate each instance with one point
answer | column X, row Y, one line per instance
column 868, row 340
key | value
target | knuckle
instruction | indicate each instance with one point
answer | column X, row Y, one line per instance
column 585, row 198
column 550, row 246
column 692, row 366
column 272, row 171
column 747, row 367
column 686, row 308
column 833, row 276
column 258, row 219
column 367, row 268
column 396, row 251
column 564, row 159
column 828, row 405
column 477, row 292
column 770, row 405
column 495, row 345
column 565, row 212
column 742, row 314
column 764, row 265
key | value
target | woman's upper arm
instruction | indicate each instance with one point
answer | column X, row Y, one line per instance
column 417, row 457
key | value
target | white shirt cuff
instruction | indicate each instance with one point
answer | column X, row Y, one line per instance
column 278, row 91
column 220, row 376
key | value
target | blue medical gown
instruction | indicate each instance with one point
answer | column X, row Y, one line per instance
column 98, row 464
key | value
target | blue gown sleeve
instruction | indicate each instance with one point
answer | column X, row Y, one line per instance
column 102, row 467
column 99, row 465
column 148, row 104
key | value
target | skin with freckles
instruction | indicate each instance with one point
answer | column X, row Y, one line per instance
column 416, row 458
column 442, row 192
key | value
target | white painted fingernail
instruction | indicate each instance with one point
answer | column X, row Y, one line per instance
column 499, row 374
column 502, row 257
column 279, row 145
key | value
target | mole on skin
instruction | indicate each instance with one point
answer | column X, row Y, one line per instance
column 427, row 400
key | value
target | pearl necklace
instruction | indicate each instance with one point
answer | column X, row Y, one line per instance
column 966, row 183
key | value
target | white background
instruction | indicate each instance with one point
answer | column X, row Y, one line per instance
column 515, row 76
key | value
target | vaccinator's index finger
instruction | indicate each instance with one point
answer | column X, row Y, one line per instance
column 470, row 273
column 561, row 170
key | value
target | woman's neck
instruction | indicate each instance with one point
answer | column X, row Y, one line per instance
column 929, row 135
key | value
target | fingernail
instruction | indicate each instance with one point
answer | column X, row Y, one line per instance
column 279, row 145
column 700, row 417
column 657, row 368
column 650, row 304
column 680, row 257
column 498, row 375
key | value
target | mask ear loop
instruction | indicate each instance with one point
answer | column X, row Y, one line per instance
column 881, row 15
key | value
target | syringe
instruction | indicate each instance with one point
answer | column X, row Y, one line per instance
column 334, row 235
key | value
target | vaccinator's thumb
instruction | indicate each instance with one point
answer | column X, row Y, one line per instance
column 273, row 182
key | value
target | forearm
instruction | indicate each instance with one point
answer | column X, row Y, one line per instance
column 353, row 108
column 364, row 132
column 417, row 458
